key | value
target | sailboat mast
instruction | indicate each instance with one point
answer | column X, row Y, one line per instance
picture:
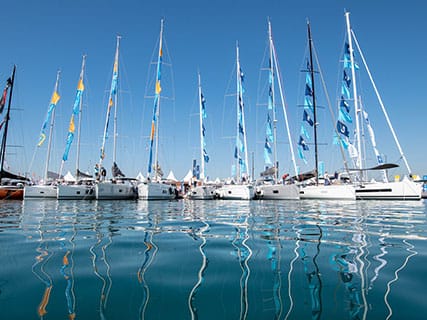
column 202, row 162
column 111, row 102
column 52, row 122
column 6, row 125
column 310, row 45
column 115, row 107
column 273, row 100
column 355, row 97
column 241, row 128
column 158, row 89
column 238, row 98
column 80, row 116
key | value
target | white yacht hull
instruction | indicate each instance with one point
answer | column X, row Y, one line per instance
column 76, row 192
column 236, row 192
column 40, row 192
column 396, row 190
column 277, row 192
column 114, row 191
column 328, row 192
column 156, row 191
column 202, row 193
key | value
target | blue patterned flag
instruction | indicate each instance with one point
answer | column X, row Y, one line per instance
column 303, row 144
column 307, row 118
column 342, row 128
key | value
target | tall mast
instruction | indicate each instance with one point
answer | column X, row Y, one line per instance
column 158, row 90
column 154, row 134
column 202, row 161
column 81, row 81
column 6, row 125
column 311, row 70
column 238, row 99
column 77, row 110
column 272, row 97
column 52, row 122
column 111, row 102
column 240, row 116
column 356, row 104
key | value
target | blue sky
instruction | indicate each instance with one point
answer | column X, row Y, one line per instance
column 44, row 36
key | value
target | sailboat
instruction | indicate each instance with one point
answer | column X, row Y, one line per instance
column 273, row 189
column 48, row 189
column 404, row 189
column 241, row 189
column 202, row 191
column 118, row 188
column 154, row 188
column 11, row 185
column 83, row 188
column 326, row 190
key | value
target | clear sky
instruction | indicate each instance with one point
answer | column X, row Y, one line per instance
column 41, row 37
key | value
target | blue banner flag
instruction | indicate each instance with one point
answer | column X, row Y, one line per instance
column 307, row 118
column 342, row 128
column 303, row 144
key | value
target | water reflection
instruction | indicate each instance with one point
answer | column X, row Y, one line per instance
column 214, row 260
column 103, row 231
column 149, row 255
column 199, row 235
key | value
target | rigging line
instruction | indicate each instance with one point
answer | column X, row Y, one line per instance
column 381, row 103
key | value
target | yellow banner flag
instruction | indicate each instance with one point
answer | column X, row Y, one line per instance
column 55, row 98
column 80, row 85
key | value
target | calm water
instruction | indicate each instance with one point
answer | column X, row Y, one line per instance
column 213, row 260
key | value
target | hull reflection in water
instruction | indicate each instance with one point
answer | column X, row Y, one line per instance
column 213, row 259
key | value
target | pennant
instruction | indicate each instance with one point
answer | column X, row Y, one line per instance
column 308, row 104
column 53, row 101
column 269, row 130
column 303, row 144
column 345, row 91
column 267, row 153
column 301, row 154
column 4, row 95
column 55, row 98
column 202, row 98
column 346, row 79
column 70, row 138
column 304, row 131
column 342, row 128
column 344, row 104
column 344, row 116
column 241, row 128
column 307, row 118
column 239, row 145
column 205, row 156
